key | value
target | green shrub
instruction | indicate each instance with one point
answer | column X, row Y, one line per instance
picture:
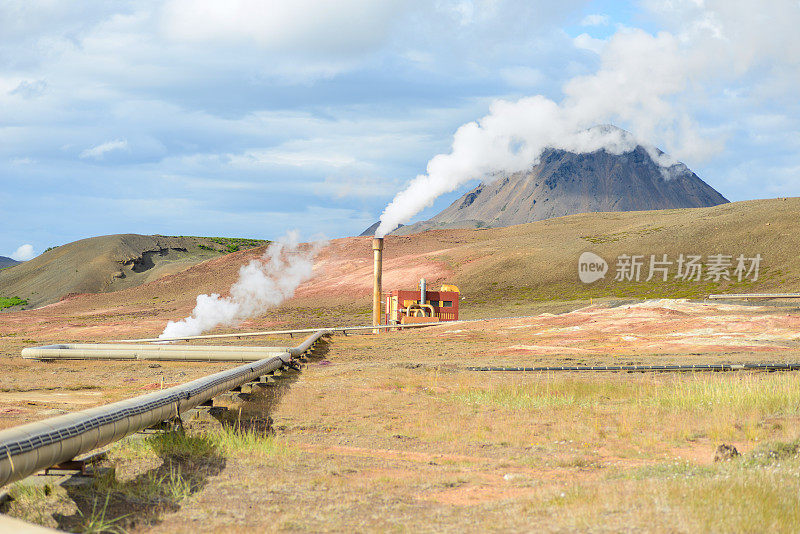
column 6, row 302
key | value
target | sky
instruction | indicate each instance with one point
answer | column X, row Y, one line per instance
column 249, row 118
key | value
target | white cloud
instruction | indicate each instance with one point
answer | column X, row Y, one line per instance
column 97, row 152
column 259, row 158
column 23, row 253
column 306, row 26
column 596, row 20
column 586, row 42
column 355, row 90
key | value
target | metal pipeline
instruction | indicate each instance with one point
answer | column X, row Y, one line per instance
column 343, row 329
column 121, row 351
column 422, row 294
column 306, row 345
column 377, row 271
column 29, row 448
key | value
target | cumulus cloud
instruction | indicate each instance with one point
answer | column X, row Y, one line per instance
column 97, row 152
column 23, row 253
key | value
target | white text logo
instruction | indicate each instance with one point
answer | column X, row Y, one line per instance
column 591, row 267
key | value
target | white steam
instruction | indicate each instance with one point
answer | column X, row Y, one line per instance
column 649, row 83
column 263, row 283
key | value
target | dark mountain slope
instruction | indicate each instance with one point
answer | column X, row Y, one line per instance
column 565, row 183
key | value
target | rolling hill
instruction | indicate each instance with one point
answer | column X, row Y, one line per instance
column 108, row 263
column 501, row 271
column 6, row 262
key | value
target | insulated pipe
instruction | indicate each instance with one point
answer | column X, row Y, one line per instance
column 377, row 268
column 29, row 448
column 422, row 295
column 306, row 345
column 114, row 351
column 166, row 347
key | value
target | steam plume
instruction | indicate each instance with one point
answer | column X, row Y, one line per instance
column 263, row 283
column 639, row 83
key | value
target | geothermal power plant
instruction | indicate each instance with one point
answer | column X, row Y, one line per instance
column 56, row 442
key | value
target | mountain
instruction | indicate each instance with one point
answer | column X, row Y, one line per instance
column 5, row 261
column 566, row 183
column 110, row 263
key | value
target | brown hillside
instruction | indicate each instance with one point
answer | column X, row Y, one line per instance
column 502, row 267
column 502, row 271
column 103, row 264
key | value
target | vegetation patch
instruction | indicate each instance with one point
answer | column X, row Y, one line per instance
column 229, row 244
column 698, row 393
column 234, row 244
column 225, row 441
column 6, row 302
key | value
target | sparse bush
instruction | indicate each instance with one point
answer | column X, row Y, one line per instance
column 6, row 302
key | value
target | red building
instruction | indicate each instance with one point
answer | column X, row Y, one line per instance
column 422, row 306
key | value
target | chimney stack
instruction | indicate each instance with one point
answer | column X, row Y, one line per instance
column 377, row 251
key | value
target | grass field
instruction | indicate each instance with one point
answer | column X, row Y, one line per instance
column 391, row 433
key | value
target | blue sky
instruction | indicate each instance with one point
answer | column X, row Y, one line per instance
column 248, row 118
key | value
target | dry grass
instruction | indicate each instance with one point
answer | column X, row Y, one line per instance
column 223, row 441
column 377, row 448
column 719, row 407
column 391, row 435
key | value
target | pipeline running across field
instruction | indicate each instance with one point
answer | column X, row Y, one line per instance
column 29, row 448
column 342, row 329
column 32, row 447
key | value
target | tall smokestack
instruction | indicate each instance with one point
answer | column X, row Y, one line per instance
column 377, row 251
